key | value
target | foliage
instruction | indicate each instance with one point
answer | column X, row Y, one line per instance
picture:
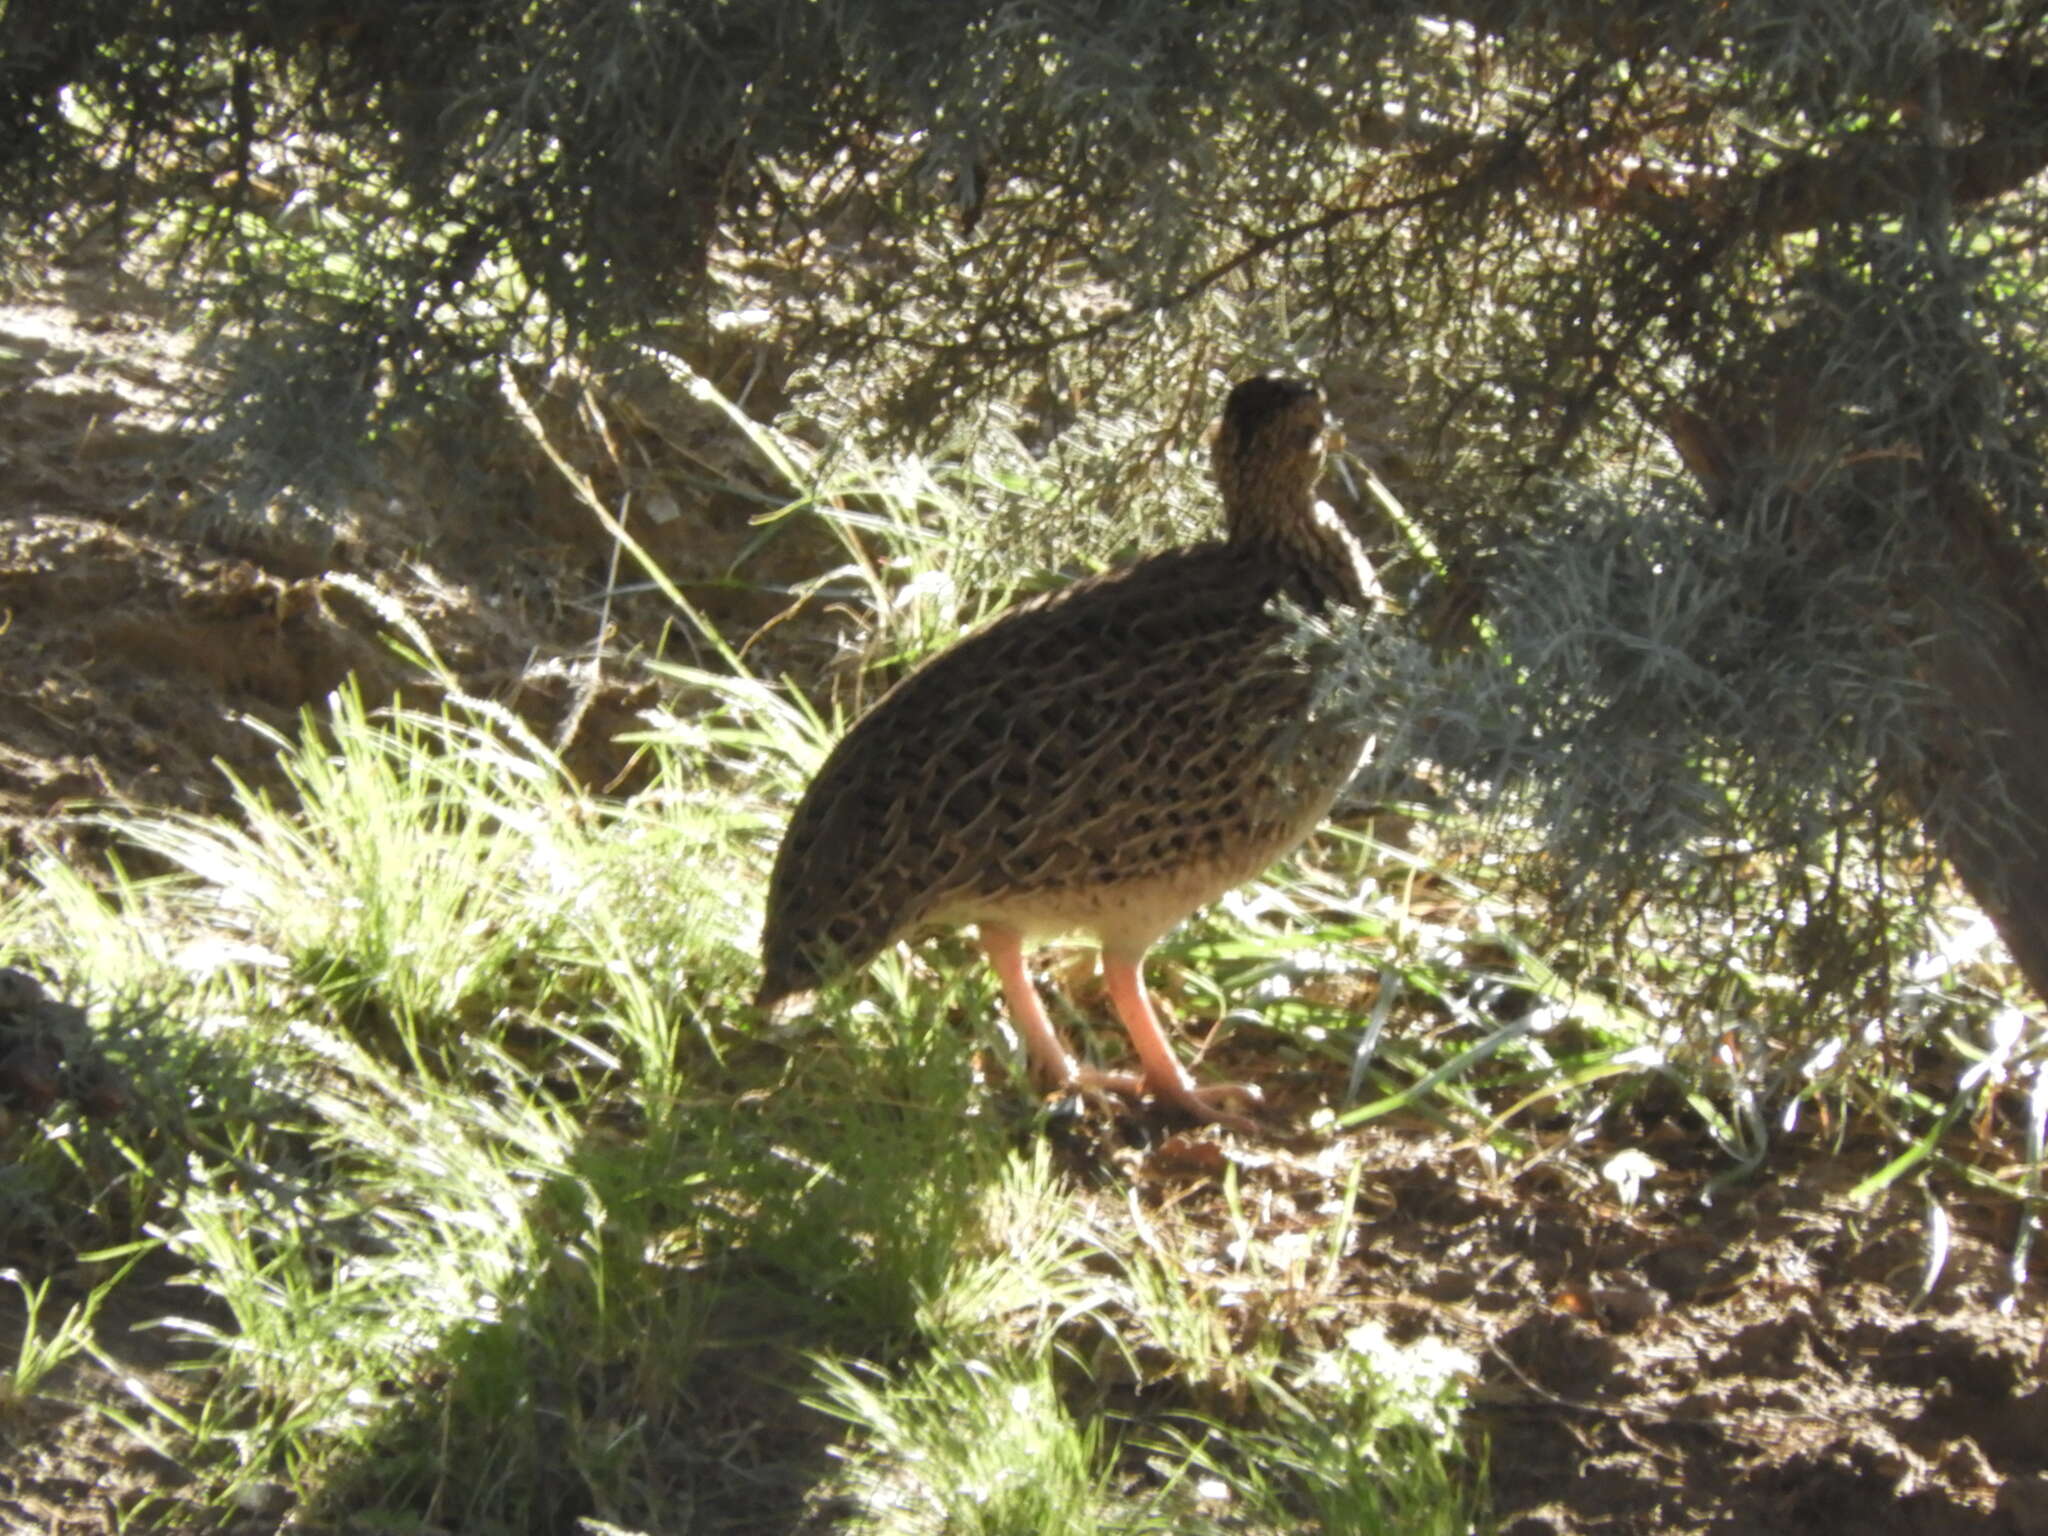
column 973, row 203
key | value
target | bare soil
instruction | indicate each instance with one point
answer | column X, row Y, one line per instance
column 1757, row 1358
column 1754, row 1359
column 144, row 629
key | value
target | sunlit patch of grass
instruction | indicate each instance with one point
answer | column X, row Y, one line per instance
column 1363, row 1440
column 114, row 931
column 47, row 1342
column 1120, row 1374
column 1027, row 1268
column 491, row 1216
column 413, row 869
column 971, row 1446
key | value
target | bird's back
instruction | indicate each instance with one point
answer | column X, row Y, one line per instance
column 1148, row 722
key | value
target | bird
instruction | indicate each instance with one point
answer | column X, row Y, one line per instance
column 1102, row 760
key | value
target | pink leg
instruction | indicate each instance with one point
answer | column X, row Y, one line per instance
column 1050, row 1060
column 1164, row 1075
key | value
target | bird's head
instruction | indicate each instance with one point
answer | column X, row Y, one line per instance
column 1268, row 450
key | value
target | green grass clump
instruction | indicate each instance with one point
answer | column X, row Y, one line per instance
column 1363, row 1441
column 972, row 1447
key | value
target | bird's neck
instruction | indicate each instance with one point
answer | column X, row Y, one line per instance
column 1309, row 535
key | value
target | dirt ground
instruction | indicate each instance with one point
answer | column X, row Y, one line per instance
column 1749, row 1359
column 141, row 631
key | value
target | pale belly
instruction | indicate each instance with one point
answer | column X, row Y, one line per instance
column 1126, row 916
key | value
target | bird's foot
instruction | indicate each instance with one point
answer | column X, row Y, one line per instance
column 1211, row 1103
column 1108, row 1092
column 1216, row 1103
